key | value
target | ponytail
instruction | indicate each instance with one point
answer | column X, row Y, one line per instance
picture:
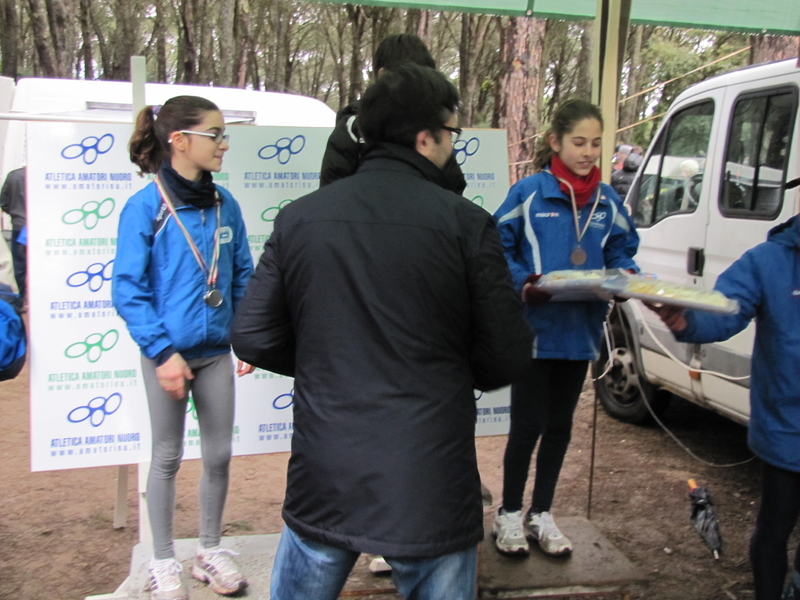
column 149, row 145
column 145, row 150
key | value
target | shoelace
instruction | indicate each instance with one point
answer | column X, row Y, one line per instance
column 515, row 527
column 220, row 557
column 167, row 575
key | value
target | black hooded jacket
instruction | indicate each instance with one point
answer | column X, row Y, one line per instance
column 622, row 179
column 389, row 300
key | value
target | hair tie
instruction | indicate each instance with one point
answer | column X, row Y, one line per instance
column 156, row 110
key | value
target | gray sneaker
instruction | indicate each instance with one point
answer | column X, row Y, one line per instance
column 542, row 528
column 165, row 580
column 509, row 533
column 216, row 567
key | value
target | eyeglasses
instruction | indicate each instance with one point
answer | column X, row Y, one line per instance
column 217, row 137
column 455, row 132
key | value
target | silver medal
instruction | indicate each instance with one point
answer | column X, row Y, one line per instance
column 213, row 298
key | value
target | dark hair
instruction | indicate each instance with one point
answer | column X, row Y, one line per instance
column 404, row 101
column 149, row 145
column 567, row 116
column 400, row 48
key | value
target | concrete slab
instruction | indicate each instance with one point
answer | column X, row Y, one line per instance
column 595, row 567
column 256, row 556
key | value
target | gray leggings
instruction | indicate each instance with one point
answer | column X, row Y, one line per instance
column 213, row 394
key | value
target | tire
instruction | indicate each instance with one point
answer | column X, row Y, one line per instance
column 620, row 390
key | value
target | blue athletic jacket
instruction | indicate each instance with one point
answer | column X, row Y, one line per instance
column 537, row 229
column 158, row 287
column 766, row 282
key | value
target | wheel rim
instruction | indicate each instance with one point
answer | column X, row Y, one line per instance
column 622, row 379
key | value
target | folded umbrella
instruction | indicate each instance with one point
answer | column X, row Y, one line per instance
column 703, row 518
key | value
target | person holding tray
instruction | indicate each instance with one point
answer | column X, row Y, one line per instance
column 560, row 218
column 766, row 283
column 182, row 265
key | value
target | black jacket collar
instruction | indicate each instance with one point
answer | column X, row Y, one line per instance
column 400, row 158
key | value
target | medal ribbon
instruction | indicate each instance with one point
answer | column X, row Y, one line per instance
column 578, row 233
column 214, row 270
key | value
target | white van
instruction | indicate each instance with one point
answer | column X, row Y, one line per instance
column 712, row 184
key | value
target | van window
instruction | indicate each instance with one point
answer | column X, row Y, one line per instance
column 673, row 175
column 756, row 154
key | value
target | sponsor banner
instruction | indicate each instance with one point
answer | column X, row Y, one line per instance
column 88, row 404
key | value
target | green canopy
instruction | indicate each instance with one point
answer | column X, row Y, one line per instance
column 755, row 16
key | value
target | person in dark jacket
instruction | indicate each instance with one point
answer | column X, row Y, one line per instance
column 622, row 179
column 346, row 145
column 388, row 299
column 766, row 283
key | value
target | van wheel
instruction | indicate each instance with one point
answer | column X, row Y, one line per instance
column 622, row 391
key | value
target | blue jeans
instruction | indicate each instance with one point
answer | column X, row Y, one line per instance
column 306, row 569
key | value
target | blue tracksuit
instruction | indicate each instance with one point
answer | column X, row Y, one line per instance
column 537, row 229
column 766, row 282
column 158, row 287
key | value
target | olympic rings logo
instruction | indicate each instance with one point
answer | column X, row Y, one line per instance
column 89, row 149
column 95, row 275
column 281, row 402
column 284, row 149
column 90, row 213
column 96, row 410
column 270, row 214
column 478, row 200
column 465, row 148
column 93, row 346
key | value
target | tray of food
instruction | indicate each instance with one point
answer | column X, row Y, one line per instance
column 657, row 291
column 576, row 285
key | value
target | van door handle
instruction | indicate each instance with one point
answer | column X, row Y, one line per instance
column 695, row 261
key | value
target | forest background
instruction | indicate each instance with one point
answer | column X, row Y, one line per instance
column 511, row 72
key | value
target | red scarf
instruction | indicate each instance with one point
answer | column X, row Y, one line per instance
column 583, row 187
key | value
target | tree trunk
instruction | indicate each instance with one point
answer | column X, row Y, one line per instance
column 160, row 35
column 583, row 83
column 228, row 58
column 86, row 37
column 418, row 22
column 358, row 24
column 10, row 38
column 60, row 24
column 768, row 48
column 629, row 110
column 204, row 31
column 187, row 45
column 520, row 51
column 42, row 40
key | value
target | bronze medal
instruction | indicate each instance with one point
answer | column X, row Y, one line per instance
column 213, row 298
column 578, row 256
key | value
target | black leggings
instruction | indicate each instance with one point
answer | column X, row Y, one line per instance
column 542, row 405
column 777, row 516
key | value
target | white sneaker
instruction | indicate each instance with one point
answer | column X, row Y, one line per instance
column 216, row 567
column 165, row 580
column 542, row 528
column 509, row 533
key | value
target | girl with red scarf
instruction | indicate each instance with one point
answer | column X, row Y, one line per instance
column 560, row 218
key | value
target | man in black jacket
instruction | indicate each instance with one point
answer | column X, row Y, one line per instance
column 346, row 144
column 388, row 299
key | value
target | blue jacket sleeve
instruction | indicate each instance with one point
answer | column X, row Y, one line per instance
column 738, row 282
column 623, row 241
column 131, row 291
column 510, row 222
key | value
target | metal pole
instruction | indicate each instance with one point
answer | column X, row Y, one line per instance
column 591, row 461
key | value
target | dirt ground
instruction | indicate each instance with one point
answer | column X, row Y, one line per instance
column 57, row 540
